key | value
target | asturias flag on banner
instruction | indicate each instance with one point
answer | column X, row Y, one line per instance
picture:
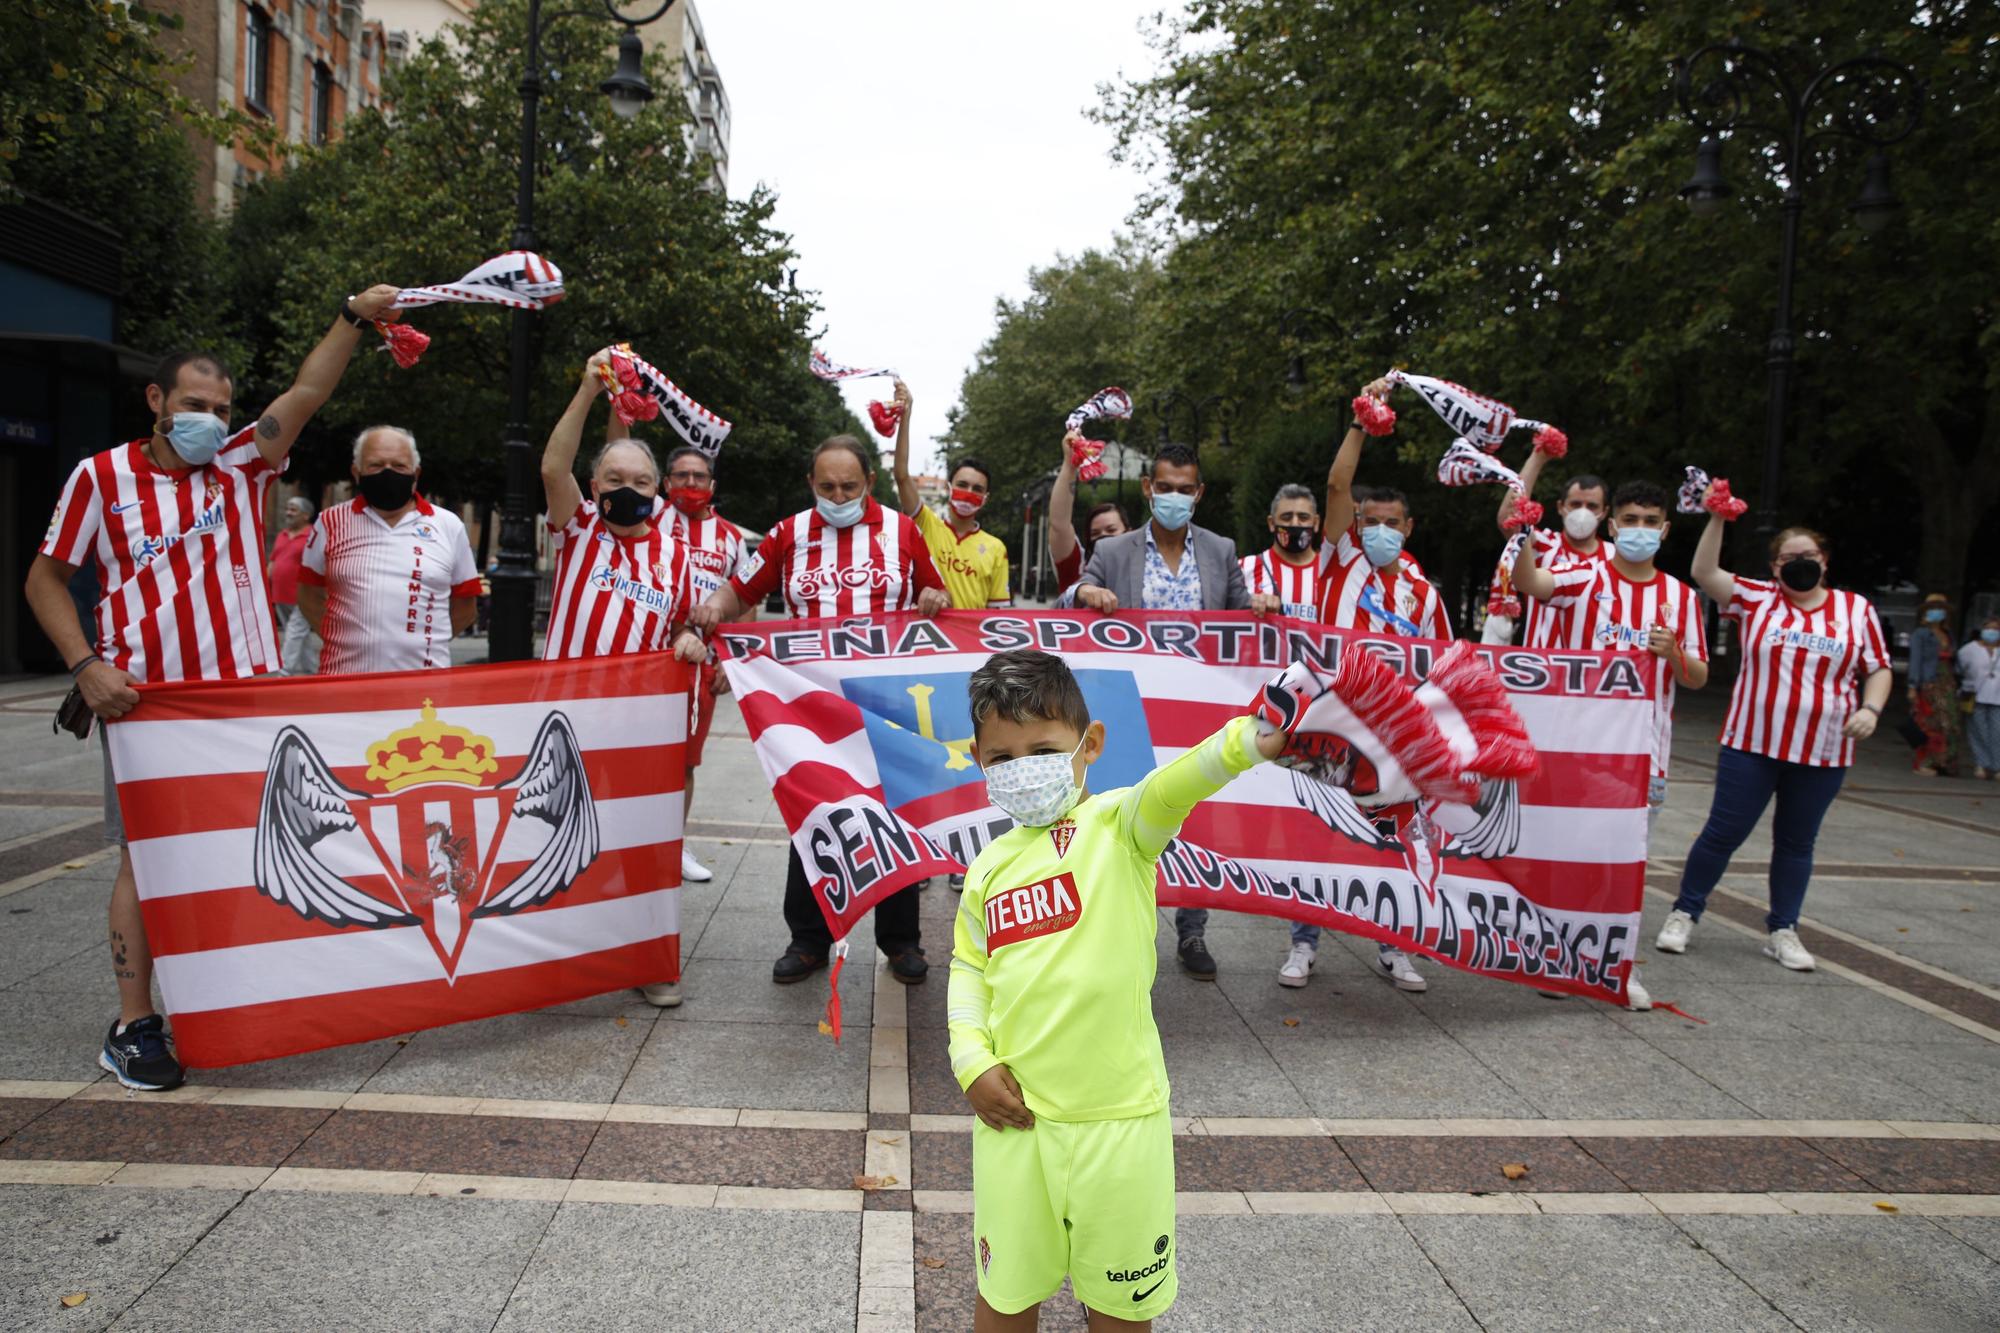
column 336, row 859
column 864, row 730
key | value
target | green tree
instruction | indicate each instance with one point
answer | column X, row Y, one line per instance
column 1488, row 193
column 422, row 190
column 1075, row 332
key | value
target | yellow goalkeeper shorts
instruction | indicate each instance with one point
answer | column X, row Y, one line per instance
column 1093, row 1199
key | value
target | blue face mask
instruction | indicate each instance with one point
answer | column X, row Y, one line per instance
column 1381, row 544
column 1172, row 510
column 1934, row 616
column 197, row 437
column 1638, row 545
column 843, row 515
column 1989, row 636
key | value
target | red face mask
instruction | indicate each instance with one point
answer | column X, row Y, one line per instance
column 691, row 500
column 966, row 503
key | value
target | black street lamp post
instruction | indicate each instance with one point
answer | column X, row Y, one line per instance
column 1164, row 405
column 1869, row 99
column 511, row 637
column 1291, row 325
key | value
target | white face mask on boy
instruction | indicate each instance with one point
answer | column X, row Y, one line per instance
column 1037, row 789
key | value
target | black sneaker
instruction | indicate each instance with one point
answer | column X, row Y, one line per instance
column 909, row 966
column 1195, row 959
column 795, row 965
column 141, row 1057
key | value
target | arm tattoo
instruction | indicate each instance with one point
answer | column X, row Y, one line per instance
column 268, row 427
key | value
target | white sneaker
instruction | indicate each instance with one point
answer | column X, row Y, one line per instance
column 1298, row 967
column 1785, row 947
column 1393, row 966
column 1636, row 997
column 956, row 883
column 662, row 994
column 1673, row 936
column 693, row 871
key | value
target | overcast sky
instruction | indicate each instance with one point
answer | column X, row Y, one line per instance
column 926, row 154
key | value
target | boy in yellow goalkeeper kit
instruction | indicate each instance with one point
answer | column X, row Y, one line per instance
column 1050, row 1007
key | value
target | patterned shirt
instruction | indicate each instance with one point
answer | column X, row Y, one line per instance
column 1165, row 589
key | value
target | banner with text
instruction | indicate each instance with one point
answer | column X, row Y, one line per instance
column 334, row 859
column 863, row 729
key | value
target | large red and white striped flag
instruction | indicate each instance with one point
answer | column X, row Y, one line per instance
column 864, row 730
column 329, row 860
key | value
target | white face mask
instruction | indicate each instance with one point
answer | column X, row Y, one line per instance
column 1580, row 524
column 1035, row 790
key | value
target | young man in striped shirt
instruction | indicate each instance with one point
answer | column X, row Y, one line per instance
column 174, row 525
column 1285, row 578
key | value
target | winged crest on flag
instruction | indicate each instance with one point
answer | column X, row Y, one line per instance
column 439, row 846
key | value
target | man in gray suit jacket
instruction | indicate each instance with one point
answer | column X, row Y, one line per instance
column 1171, row 565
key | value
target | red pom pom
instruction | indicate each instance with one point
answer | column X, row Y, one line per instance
column 631, row 406
column 404, row 343
column 886, row 416
column 1550, row 441
column 1088, row 455
column 1376, row 417
column 1504, row 750
column 1720, row 501
column 1510, row 607
column 1526, row 513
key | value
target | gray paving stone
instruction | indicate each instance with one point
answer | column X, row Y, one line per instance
column 1333, row 1273
column 741, row 991
column 1862, row 1273
column 56, row 1240
column 322, row 1261
column 1981, row 1233
column 787, row 1066
column 1537, row 1273
column 52, row 1034
column 1852, row 1013
column 1227, row 1076
column 1587, row 1075
column 1434, row 1076
column 1964, row 1078
column 737, row 936
column 1806, row 1079
column 617, row 1267
column 533, row 1056
column 340, row 1069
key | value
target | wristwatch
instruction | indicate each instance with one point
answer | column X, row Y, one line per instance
column 347, row 313
column 1870, row 708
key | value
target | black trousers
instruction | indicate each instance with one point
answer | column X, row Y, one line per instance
column 896, row 926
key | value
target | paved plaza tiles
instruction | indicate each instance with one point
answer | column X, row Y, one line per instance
column 1813, row 1151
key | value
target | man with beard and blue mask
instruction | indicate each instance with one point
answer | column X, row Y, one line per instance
column 387, row 579
column 174, row 525
column 1169, row 565
column 1368, row 582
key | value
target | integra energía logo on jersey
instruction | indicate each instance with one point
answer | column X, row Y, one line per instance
column 437, row 843
column 607, row 579
column 1031, row 911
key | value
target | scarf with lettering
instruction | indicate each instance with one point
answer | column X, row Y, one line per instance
column 519, row 279
column 1484, row 421
column 640, row 392
column 1464, row 465
column 1112, row 404
column 885, row 417
column 1719, row 500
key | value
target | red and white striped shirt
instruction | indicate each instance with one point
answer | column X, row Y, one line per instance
column 1399, row 599
column 1545, row 626
column 1295, row 586
column 1798, row 683
column 179, row 557
column 880, row 563
column 615, row 594
column 714, row 551
column 388, row 588
column 1607, row 612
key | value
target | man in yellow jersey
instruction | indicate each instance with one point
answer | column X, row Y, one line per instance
column 971, row 560
column 1050, row 1008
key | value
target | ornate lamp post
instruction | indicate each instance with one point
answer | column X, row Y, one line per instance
column 1725, row 89
column 512, row 635
column 1164, row 406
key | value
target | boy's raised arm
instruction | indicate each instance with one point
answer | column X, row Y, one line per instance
column 1154, row 810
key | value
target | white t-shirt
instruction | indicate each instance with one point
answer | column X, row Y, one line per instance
column 388, row 587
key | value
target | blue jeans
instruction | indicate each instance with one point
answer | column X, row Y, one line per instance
column 1984, row 733
column 1305, row 932
column 1744, row 785
column 1190, row 923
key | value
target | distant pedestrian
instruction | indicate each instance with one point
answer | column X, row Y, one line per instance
column 1933, row 686
column 1979, row 679
column 1792, row 723
column 293, row 631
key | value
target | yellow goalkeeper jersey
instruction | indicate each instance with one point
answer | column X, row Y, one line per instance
column 974, row 569
column 1052, row 951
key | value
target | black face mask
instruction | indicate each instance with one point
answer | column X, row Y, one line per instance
column 625, row 507
column 1801, row 573
column 387, row 490
column 1295, row 539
